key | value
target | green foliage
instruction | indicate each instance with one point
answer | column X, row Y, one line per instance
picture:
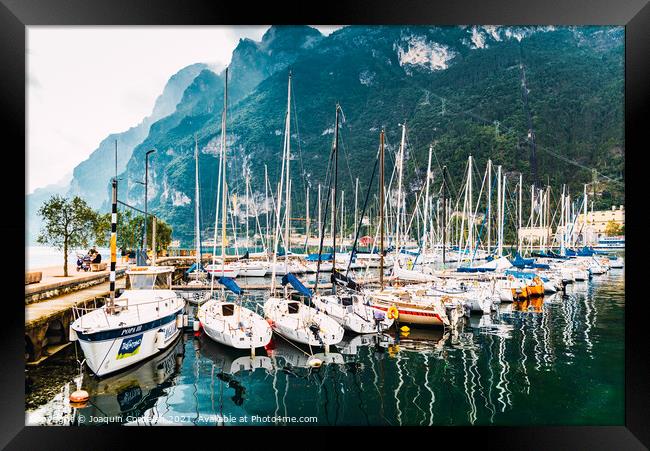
column 129, row 231
column 612, row 228
column 68, row 224
column 575, row 81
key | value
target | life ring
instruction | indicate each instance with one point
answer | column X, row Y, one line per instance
column 392, row 312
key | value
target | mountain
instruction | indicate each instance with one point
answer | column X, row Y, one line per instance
column 91, row 177
column 199, row 112
column 34, row 201
column 460, row 87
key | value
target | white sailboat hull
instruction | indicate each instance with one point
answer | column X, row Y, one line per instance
column 325, row 331
column 356, row 317
column 244, row 329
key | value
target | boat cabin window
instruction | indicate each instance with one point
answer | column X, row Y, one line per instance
column 161, row 281
column 346, row 300
column 293, row 307
column 228, row 309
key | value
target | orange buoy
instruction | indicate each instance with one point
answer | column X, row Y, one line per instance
column 270, row 321
column 79, row 396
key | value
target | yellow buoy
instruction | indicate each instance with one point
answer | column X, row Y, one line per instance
column 404, row 329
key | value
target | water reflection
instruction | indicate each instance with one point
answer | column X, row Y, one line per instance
column 126, row 396
column 517, row 365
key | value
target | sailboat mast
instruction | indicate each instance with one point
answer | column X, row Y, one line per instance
column 197, row 229
column 519, row 215
column 307, row 222
column 266, row 204
column 356, row 195
column 499, row 244
column 381, row 210
column 426, row 203
column 336, row 176
column 342, row 220
column 320, row 222
column 278, row 220
column 489, row 210
column 224, row 196
column 247, row 212
column 444, row 214
column 287, row 231
column 399, row 188
column 584, row 217
column 470, row 221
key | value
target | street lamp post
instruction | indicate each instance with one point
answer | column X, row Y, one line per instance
column 146, row 184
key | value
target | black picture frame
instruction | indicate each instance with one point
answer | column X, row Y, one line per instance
column 15, row 15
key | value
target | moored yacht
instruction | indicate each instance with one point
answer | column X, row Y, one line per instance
column 139, row 323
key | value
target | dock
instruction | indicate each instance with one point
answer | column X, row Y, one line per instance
column 49, row 307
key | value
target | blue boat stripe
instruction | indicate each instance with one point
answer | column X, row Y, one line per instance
column 119, row 333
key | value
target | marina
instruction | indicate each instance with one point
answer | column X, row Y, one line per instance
column 486, row 373
column 402, row 280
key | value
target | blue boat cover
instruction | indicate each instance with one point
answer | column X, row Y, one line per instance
column 541, row 266
column 323, row 257
column 192, row 268
column 524, row 275
column 469, row 269
column 520, row 262
column 296, row 284
column 230, row 284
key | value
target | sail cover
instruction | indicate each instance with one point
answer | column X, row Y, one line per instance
column 230, row 284
column 343, row 280
column 193, row 269
column 296, row 284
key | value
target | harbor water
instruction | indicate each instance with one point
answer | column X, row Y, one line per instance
column 559, row 361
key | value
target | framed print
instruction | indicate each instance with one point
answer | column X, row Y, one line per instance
column 416, row 218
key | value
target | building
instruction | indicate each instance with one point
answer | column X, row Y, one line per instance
column 597, row 222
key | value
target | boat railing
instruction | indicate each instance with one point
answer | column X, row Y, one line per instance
column 120, row 304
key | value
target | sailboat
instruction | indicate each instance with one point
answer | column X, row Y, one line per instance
column 412, row 307
column 351, row 310
column 226, row 322
column 143, row 321
column 197, row 274
column 289, row 318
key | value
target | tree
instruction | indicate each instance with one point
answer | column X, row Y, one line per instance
column 163, row 234
column 68, row 224
column 129, row 231
column 612, row 228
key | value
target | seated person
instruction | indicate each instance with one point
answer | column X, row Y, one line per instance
column 97, row 258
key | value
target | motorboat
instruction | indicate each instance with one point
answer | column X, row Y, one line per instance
column 142, row 321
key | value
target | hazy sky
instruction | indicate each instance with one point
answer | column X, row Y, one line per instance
column 84, row 83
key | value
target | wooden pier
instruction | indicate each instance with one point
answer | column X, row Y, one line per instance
column 49, row 305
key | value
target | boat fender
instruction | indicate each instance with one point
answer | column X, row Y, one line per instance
column 392, row 312
column 186, row 320
column 160, row 339
column 315, row 362
column 73, row 335
column 196, row 324
column 179, row 320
